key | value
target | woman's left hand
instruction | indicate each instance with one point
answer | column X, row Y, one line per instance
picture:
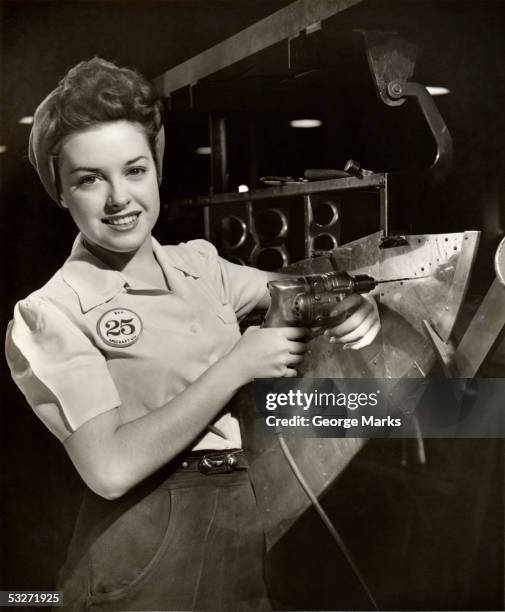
column 360, row 327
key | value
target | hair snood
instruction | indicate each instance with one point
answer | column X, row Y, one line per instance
column 91, row 93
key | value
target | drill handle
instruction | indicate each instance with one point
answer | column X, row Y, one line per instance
column 277, row 315
column 273, row 318
column 282, row 295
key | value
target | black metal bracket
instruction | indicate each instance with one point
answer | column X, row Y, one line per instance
column 391, row 61
column 442, row 163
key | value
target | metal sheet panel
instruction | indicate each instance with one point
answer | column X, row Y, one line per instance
column 440, row 265
column 483, row 333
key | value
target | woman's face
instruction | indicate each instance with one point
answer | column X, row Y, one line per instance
column 109, row 184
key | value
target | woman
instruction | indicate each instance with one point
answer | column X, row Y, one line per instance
column 130, row 355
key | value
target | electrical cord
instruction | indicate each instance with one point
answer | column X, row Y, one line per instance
column 325, row 518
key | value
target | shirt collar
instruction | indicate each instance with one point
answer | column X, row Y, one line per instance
column 95, row 283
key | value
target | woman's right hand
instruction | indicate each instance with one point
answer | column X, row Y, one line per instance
column 113, row 454
column 269, row 352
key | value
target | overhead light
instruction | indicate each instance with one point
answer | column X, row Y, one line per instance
column 27, row 120
column 437, row 91
column 243, row 188
column 203, row 151
column 306, row 123
column 3, row 148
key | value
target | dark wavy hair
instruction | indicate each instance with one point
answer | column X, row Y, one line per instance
column 97, row 91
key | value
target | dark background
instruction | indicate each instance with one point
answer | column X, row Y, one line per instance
column 426, row 537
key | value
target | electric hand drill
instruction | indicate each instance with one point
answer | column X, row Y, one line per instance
column 308, row 301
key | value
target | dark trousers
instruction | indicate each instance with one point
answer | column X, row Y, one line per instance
column 180, row 541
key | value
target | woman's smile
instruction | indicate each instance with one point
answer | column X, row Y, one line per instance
column 122, row 223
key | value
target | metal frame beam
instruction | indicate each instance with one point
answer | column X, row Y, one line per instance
column 291, row 189
column 285, row 23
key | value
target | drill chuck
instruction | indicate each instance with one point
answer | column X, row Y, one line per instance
column 364, row 283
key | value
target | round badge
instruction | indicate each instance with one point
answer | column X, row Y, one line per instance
column 119, row 327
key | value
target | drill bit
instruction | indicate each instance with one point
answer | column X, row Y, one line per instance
column 400, row 280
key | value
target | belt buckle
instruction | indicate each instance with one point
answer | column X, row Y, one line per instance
column 220, row 464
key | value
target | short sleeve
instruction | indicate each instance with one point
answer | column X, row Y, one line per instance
column 63, row 376
column 242, row 286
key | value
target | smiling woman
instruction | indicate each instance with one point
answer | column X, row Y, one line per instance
column 131, row 354
column 108, row 183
